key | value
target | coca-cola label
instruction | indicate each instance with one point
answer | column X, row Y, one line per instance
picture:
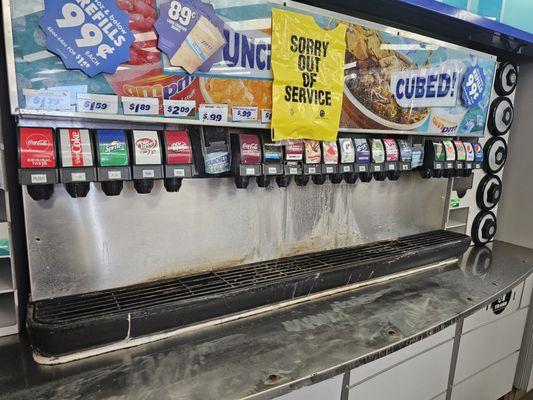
column 179, row 149
column 294, row 149
column 347, row 150
column 392, row 154
column 37, row 148
column 250, row 149
column 312, row 152
column 330, row 152
column 76, row 148
column 147, row 148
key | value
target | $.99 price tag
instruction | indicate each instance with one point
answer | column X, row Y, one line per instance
column 97, row 103
column 179, row 108
column 140, row 106
column 240, row 114
column 213, row 112
column 266, row 116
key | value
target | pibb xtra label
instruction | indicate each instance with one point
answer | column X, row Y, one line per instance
column 112, row 149
column 90, row 35
column 37, row 148
column 76, row 148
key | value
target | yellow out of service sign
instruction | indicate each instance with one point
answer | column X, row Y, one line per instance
column 308, row 68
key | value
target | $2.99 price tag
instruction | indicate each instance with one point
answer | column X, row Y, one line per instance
column 213, row 112
column 241, row 114
column 97, row 103
column 179, row 108
column 140, row 106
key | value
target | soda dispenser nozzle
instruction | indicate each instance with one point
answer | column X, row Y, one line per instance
column 294, row 156
column 377, row 165
column 450, row 159
column 434, row 158
column 272, row 165
column 330, row 159
column 312, row 167
column 362, row 159
column 246, row 156
column 392, row 159
column 347, row 160
column 37, row 162
column 147, row 160
column 113, row 160
column 178, row 159
column 77, row 168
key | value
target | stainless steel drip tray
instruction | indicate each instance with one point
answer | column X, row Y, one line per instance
column 66, row 325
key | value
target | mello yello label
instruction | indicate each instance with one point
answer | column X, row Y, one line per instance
column 76, row 150
column 461, row 151
column 37, row 148
column 112, row 149
column 178, row 146
column 147, row 148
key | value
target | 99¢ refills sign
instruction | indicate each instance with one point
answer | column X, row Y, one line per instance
column 308, row 68
column 90, row 35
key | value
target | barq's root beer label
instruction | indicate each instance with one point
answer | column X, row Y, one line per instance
column 179, row 150
column 76, row 150
column 112, row 150
column 250, row 149
column 37, row 148
column 147, row 147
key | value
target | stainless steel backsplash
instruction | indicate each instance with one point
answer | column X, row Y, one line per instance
column 100, row 242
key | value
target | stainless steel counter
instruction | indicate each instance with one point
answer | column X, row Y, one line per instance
column 271, row 354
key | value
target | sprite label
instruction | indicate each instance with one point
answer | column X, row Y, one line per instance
column 455, row 202
column 112, row 150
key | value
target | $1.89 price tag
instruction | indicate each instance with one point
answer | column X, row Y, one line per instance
column 213, row 112
column 241, row 114
column 140, row 106
column 179, row 108
column 97, row 103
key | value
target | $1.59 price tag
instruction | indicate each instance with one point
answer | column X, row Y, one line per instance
column 240, row 114
column 97, row 103
column 140, row 106
column 213, row 112
column 44, row 100
column 179, row 108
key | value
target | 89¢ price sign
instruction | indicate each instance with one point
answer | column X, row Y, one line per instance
column 90, row 35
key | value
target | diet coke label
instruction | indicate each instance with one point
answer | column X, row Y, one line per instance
column 37, row 148
column 178, row 145
column 76, row 150
column 147, row 147
column 250, row 149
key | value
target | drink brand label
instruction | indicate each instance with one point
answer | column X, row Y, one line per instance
column 217, row 162
column 347, row 150
column 439, row 151
column 37, row 148
column 449, row 149
column 250, row 149
column 294, row 149
column 417, row 153
column 392, row 153
column 470, row 154
column 362, row 151
column 179, row 150
column 272, row 152
column 76, row 150
column 378, row 151
column 478, row 151
column 112, row 149
column 312, row 151
column 460, row 149
column 330, row 152
column 147, row 147
column 405, row 150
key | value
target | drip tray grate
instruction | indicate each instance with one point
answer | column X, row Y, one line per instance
column 68, row 324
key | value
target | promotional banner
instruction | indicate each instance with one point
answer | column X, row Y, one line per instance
column 391, row 81
column 90, row 35
column 307, row 63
